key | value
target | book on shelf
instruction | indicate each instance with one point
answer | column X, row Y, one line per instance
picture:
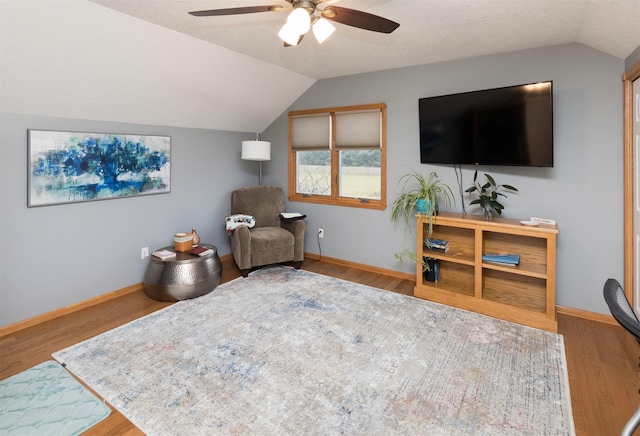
column 509, row 265
column 200, row 250
column 164, row 254
column 440, row 245
column 436, row 242
column 502, row 259
column 437, row 248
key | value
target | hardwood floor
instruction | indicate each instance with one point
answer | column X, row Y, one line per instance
column 602, row 359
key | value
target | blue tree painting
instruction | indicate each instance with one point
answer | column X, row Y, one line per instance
column 68, row 167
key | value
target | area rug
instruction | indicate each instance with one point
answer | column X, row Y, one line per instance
column 290, row 352
column 47, row 400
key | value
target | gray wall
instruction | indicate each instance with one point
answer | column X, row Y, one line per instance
column 583, row 191
column 58, row 255
column 54, row 256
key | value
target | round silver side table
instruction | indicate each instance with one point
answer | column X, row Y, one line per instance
column 186, row 276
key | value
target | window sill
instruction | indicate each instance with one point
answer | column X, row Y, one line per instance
column 342, row 201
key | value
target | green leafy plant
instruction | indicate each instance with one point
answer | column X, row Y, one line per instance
column 410, row 255
column 415, row 187
column 488, row 194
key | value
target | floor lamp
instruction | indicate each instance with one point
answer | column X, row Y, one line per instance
column 258, row 151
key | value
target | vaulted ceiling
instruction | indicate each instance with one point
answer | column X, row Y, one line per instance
column 430, row 30
column 150, row 62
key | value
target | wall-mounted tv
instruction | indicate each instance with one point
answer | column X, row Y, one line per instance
column 502, row 126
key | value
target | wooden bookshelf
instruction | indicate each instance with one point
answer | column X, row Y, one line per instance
column 524, row 294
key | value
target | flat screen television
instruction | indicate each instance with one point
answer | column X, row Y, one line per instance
column 503, row 126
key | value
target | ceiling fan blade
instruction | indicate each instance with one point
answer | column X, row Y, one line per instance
column 237, row 11
column 362, row 20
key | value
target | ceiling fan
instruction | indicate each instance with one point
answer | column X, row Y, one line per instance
column 306, row 14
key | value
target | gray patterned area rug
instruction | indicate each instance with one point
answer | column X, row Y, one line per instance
column 289, row 352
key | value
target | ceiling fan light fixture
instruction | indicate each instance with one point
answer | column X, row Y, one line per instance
column 322, row 29
column 300, row 20
column 303, row 17
column 289, row 34
column 328, row 13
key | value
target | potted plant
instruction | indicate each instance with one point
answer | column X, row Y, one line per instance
column 488, row 195
column 420, row 193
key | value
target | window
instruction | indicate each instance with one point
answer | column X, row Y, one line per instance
column 338, row 156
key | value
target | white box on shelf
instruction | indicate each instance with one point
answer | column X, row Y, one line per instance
column 543, row 221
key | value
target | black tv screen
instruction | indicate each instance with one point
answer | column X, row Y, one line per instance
column 502, row 126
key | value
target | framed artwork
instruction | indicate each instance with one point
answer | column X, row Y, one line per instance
column 70, row 167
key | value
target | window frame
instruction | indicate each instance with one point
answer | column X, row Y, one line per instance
column 335, row 199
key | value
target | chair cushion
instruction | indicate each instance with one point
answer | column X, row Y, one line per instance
column 270, row 238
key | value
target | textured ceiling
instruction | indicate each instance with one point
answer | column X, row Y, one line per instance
column 430, row 30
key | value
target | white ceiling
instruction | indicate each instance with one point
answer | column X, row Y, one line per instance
column 150, row 62
column 430, row 30
column 79, row 60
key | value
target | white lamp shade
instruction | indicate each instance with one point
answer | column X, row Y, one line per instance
column 300, row 20
column 289, row 34
column 323, row 29
column 256, row 150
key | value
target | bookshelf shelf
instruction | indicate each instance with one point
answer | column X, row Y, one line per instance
column 524, row 293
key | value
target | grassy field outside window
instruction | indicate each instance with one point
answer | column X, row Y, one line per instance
column 329, row 173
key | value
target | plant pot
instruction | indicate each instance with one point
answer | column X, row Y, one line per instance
column 432, row 273
column 424, row 207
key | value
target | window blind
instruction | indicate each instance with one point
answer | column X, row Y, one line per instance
column 311, row 132
column 358, row 129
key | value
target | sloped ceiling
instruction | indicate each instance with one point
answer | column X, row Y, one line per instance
column 76, row 59
column 150, row 62
column 430, row 30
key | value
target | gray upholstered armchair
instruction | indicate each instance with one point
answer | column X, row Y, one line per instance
column 271, row 240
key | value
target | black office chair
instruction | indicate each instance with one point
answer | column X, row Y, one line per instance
column 624, row 314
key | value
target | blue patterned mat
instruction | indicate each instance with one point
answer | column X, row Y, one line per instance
column 47, row 400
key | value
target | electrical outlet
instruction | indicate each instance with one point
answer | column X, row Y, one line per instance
column 144, row 252
column 320, row 233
